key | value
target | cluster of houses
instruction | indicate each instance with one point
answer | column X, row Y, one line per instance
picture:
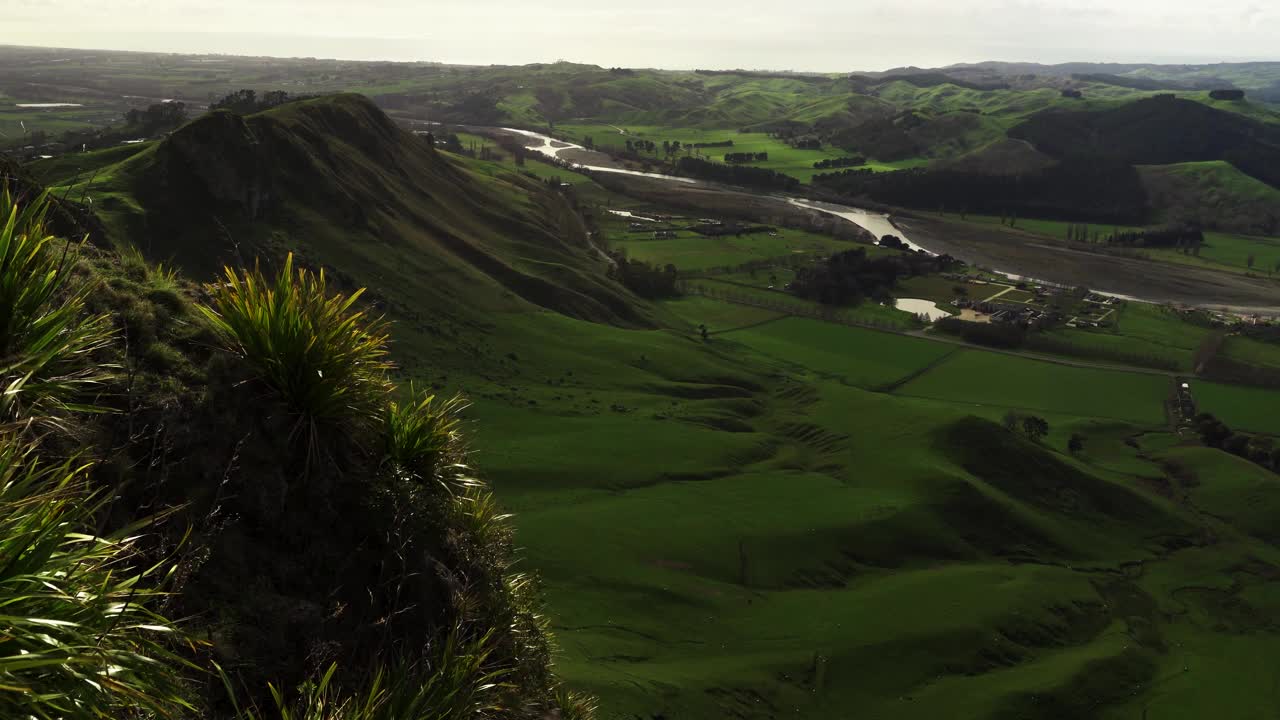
column 1006, row 313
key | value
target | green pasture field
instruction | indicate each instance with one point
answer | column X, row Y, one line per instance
column 782, row 157
column 1141, row 331
column 755, row 290
column 51, row 121
column 1226, row 251
column 1219, row 177
column 1230, row 486
column 1048, row 228
column 1160, row 325
column 942, row 290
column 1016, row 296
column 698, row 252
column 1241, row 408
column 857, row 356
column 984, row 378
column 1232, row 251
column 1252, row 352
column 76, row 166
column 718, row 316
column 663, row 611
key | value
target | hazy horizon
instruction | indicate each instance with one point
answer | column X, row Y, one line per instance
column 716, row 34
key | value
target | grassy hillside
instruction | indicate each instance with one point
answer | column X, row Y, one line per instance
column 1159, row 131
column 337, row 182
column 789, row 517
column 1215, row 193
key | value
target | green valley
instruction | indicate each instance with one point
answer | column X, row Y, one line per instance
column 747, row 476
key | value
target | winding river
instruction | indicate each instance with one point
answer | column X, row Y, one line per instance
column 878, row 224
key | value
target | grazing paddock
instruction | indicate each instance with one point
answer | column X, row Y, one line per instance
column 1241, row 408
column 985, row 378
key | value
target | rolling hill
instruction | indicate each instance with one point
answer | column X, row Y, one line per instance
column 1159, row 131
column 1215, row 194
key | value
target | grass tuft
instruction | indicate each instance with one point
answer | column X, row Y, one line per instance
column 78, row 637
column 422, row 435
column 457, row 684
column 326, row 360
column 574, row 705
column 46, row 338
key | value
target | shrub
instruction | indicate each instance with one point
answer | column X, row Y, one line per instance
column 455, row 685
column 326, row 360
column 574, row 705
column 46, row 338
column 422, row 434
column 78, row 637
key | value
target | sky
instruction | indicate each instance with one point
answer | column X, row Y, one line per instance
column 818, row 35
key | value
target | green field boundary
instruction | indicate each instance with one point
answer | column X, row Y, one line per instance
column 893, row 386
column 793, row 306
column 749, row 326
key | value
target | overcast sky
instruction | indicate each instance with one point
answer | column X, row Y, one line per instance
column 829, row 35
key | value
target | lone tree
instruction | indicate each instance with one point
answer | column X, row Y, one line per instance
column 1011, row 421
column 1076, row 444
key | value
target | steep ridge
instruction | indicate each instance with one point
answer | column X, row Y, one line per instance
column 341, row 184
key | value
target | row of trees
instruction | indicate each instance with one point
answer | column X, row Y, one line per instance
column 844, row 162
column 850, row 277
column 247, row 101
column 746, row 157
column 156, row 119
column 639, row 146
column 743, row 175
column 1165, row 237
column 997, row 335
column 669, row 147
column 646, row 280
